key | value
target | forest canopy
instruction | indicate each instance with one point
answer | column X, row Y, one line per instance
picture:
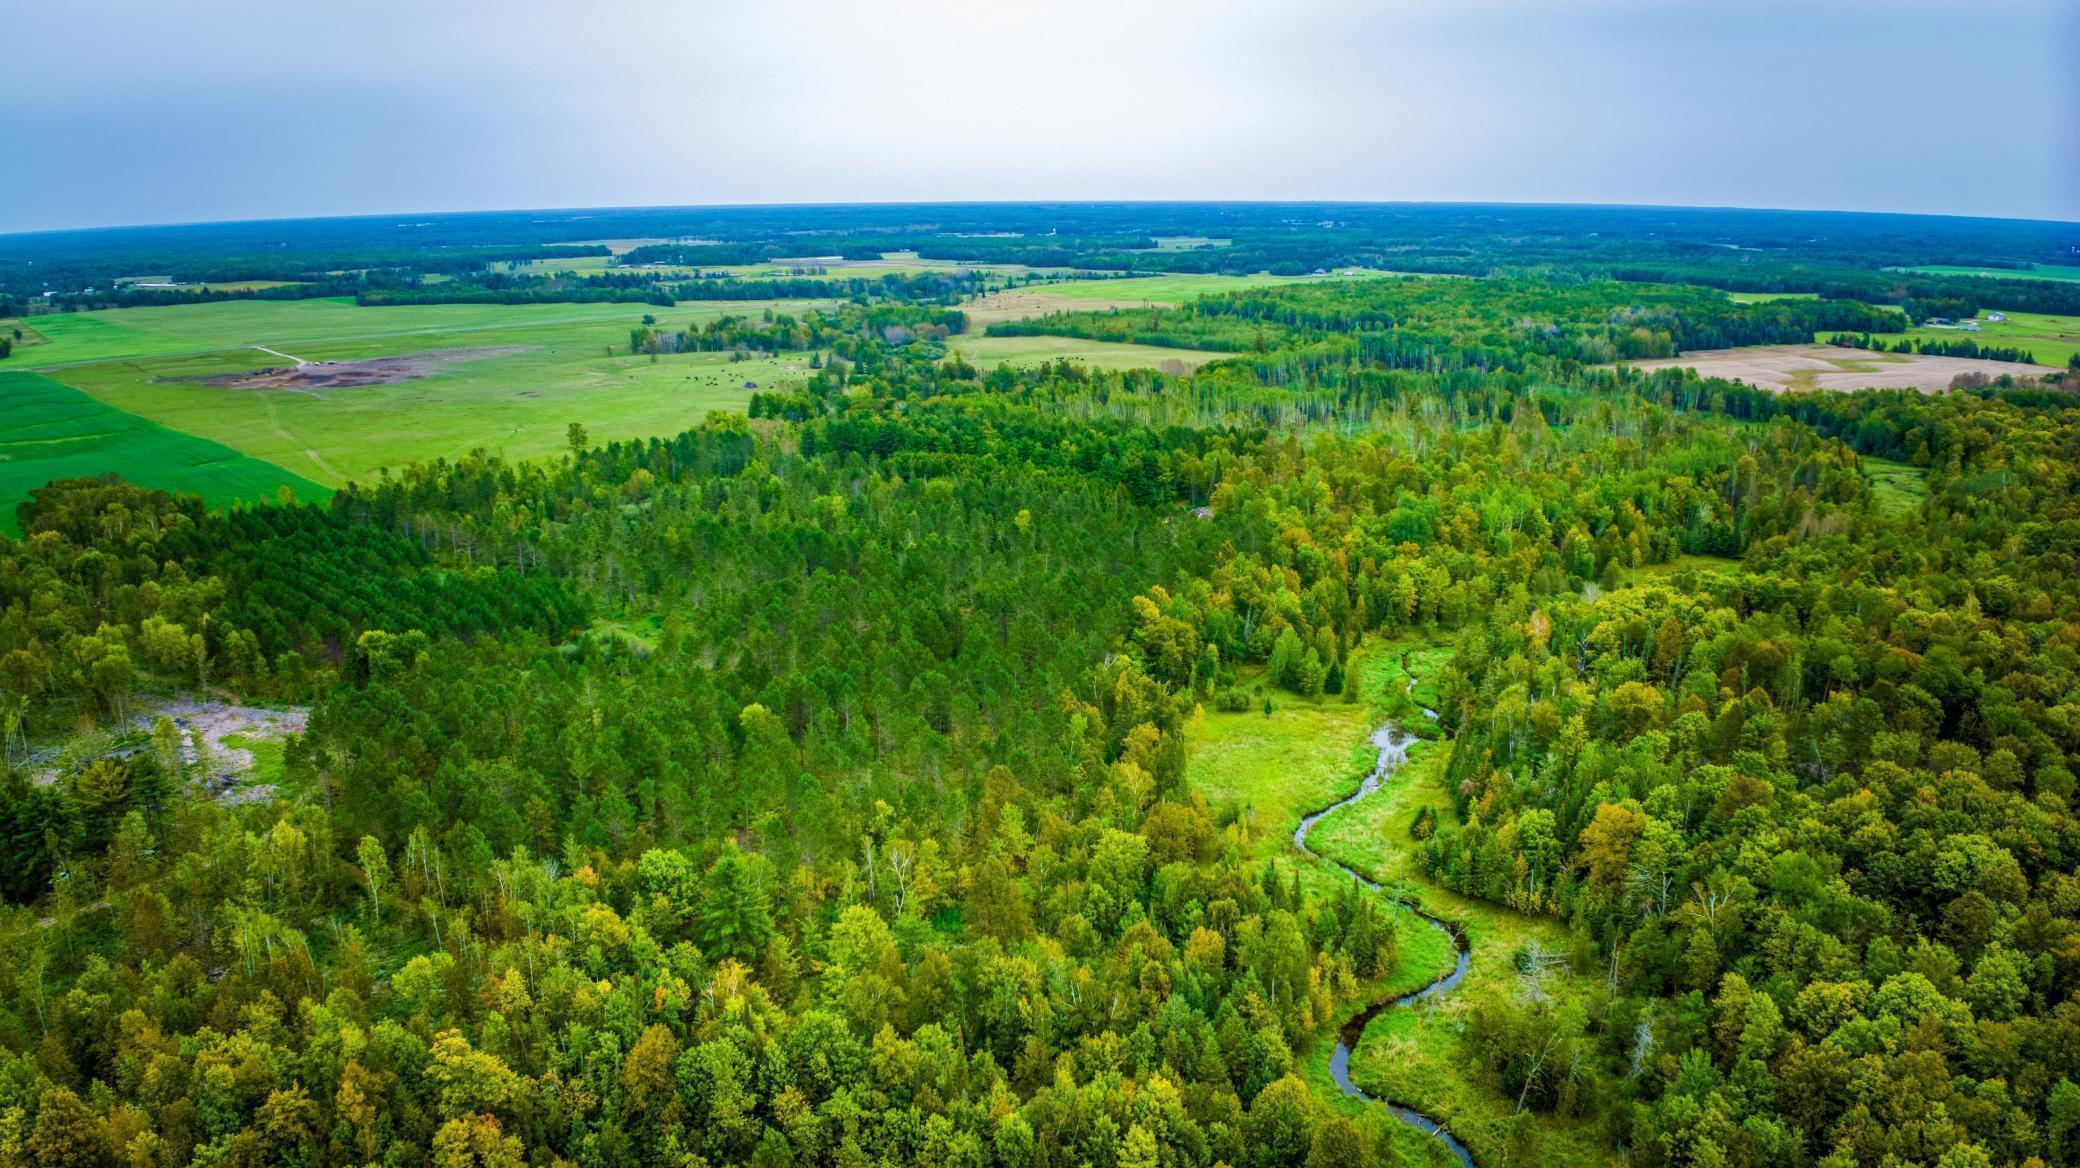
column 813, row 787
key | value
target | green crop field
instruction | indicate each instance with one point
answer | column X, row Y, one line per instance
column 2052, row 340
column 55, row 431
column 2032, row 272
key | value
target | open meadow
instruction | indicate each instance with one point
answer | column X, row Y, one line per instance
column 1027, row 351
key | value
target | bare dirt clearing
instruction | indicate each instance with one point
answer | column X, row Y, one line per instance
column 226, row 764
column 224, row 761
column 1808, row 367
column 312, row 376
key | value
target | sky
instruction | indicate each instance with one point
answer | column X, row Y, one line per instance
column 142, row 111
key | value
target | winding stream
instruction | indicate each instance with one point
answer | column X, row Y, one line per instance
column 1393, row 747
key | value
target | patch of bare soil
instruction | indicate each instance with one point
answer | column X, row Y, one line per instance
column 313, row 376
column 1809, row 367
column 219, row 765
column 225, row 766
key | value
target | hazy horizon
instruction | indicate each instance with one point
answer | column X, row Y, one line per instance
column 387, row 108
column 451, row 212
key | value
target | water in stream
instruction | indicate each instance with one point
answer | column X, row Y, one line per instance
column 1393, row 747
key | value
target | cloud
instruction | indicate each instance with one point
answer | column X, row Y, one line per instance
column 129, row 110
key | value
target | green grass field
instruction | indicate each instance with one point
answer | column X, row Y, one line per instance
column 1766, row 297
column 23, row 334
column 55, row 431
column 989, row 352
column 1896, row 488
column 2033, row 272
column 551, row 365
column 2052, row 340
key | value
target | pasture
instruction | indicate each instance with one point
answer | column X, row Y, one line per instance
column 56, row 431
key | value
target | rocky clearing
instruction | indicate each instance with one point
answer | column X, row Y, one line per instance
column 229, row 764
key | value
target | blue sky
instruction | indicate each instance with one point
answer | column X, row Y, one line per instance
column 141, row 111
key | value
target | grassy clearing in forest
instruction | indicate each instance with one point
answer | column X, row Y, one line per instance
column 1308, row 754
column 1896, row 488
column 1421, row 1054
column 1766, row 297
column 1272, row 770
column 989, row 352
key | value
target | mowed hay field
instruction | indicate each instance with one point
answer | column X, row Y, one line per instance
column 539, row 368
column 55, row 431
column 1809, row 367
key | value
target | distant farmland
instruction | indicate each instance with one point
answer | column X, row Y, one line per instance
column 2032, row 272
column 507, row 378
